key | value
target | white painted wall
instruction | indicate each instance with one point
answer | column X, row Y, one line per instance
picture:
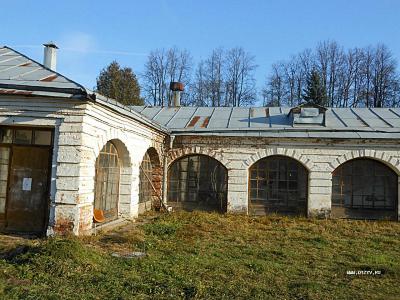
column 81, row 131
column 320, row 158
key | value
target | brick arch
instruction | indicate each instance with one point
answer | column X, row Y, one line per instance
column 292, row 153
column 155, row 154
column 178, row 153
column 389, row 160
column 156, row 176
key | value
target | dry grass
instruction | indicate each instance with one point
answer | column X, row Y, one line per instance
column 205, row 256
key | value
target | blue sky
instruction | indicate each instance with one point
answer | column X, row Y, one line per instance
column 91, row 34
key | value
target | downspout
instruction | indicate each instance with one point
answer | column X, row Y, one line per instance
column 165, row 170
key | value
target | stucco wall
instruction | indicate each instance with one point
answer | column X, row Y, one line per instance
column 320, row 157
column 132, row 139
column 81, row 130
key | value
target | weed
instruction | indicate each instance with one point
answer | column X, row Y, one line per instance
column 209, row 256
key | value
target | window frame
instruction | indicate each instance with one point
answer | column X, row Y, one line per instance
column 110, row 178
column 281, row 178
column 346, row 169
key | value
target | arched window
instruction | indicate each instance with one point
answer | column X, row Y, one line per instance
column 197, row 182
column 278, row 184
column 107, row 182
column 364, row 188
column 145, row 178
column 150, row 178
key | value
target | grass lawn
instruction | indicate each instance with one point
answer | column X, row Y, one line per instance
column 209, row 256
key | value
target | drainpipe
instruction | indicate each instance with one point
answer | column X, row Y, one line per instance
column 165, row 171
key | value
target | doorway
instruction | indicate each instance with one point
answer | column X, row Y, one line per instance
column 24, row 180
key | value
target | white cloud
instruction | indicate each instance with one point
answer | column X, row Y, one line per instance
column 86, row 44
column 78, row 42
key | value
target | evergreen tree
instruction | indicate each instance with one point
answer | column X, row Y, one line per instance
column 120, row 84
column 315, row 92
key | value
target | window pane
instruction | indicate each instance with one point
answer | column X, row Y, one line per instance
column 107, row 182
column 6, row 135
column 23, row 136
column 4, row 160
column 42, row 137
column 201, row 182
column 284, row 187
column 366, row 184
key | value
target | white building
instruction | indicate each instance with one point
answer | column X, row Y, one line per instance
column 68, row 155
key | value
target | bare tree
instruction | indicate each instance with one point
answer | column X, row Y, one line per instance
column 199, row 87
column 275, row 90
column 162, row 67
column 356, row 77
column 209, row 81
column 155, row 77
column 240, row 84
column 383, row 76
column 215, row 71
column 179, row 65
column 225, row 78
column 292, row 72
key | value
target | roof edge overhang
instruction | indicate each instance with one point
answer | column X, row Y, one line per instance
column 118, row 107
column 74, row 92
column 301, row 134
column 81, row 94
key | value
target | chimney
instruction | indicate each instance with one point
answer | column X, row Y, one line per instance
column 50, row 56
column 176, row 88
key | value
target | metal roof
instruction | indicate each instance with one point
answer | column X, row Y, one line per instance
column 20, row 75
column 23, row 76
column 276, row 121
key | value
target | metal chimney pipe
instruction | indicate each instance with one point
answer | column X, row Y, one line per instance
column 50, row 56
column 176, row 88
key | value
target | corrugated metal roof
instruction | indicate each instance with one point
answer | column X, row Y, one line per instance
column 276, row 121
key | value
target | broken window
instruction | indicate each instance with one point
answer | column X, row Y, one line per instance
column 361, row 186
column 107, row 182
column 197, row 182
column 278, row 184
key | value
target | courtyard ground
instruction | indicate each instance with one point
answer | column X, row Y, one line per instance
column 209, row 256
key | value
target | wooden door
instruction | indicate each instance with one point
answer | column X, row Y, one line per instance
column 27, row 201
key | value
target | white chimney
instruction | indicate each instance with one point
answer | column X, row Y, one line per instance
column 50, row 56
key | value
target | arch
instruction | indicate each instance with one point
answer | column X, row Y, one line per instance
column 150, row 181
column 278, row 184
column 364, row 188
column 118, row 137
column 381, row 156
column 107, row 181
column 123, row 207
column 175, row 154
column 197, row 182
column 291, row 153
